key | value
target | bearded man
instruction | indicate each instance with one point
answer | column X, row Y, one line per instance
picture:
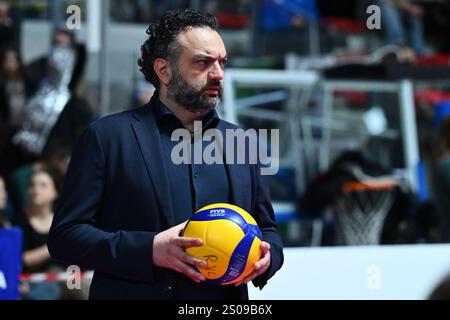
column 125, row 203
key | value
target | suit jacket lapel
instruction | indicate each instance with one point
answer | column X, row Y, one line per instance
column 148, row 139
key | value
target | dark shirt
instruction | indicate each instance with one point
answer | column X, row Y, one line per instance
column 192, row 186
column 33, row 240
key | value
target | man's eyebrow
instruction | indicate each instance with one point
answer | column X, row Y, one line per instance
column 207, row 56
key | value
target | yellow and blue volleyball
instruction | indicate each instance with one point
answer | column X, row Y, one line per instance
column 231, row 242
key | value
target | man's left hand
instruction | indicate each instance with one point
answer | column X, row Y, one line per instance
column 261, row 266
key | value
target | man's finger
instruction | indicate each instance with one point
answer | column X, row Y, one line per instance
column 187, row 242
column 260, row 267
column 262, row 263
column 265, row 246
column 189, row 272
column 183, row 256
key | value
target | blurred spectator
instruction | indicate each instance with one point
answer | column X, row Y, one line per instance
column 3, row 199
column 77, row 114
column 15, row 88
column 282, row 26
column 6, row 30
column 35, row 223
column 39, row 69
column 56, row 158
column 403, row 26
column 280, row 14
column 70, row 122
column 441, row 178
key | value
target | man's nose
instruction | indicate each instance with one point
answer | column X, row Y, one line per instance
column 216, row 72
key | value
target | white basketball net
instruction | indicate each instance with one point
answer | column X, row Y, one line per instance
column 360, row 215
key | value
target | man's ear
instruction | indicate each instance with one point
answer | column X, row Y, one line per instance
column 163, row 71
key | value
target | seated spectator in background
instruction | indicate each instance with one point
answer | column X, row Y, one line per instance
column 441, row 178
column 38, row 70
column 55, row 158
column 280, row 14
column 3, row 197
column 286, row 26
column 77, row 114
column 35, row 223
column 6, row 30
column 402, row 23
column 15, row 88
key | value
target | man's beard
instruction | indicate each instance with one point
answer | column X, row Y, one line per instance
column 190, row 98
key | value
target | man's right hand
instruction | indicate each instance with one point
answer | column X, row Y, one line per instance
column 168, row 252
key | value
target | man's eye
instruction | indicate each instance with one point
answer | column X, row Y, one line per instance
column 203, row 62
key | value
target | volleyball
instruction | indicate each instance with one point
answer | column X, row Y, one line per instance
column 231, row 242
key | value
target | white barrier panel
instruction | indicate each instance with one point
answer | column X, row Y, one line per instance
column 361, row 273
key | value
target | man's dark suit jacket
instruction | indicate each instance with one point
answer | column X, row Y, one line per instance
column 116, row 198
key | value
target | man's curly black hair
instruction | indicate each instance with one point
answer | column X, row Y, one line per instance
column 162, row 41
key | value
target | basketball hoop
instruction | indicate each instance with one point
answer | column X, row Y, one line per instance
column 361, row 210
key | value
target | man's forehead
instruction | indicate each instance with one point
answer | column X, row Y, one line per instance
column 204, row 41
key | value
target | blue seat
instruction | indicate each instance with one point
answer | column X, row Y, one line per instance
column 10, row 263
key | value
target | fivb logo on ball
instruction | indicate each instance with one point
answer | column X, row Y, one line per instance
column 217, row 213
column 238, row 146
